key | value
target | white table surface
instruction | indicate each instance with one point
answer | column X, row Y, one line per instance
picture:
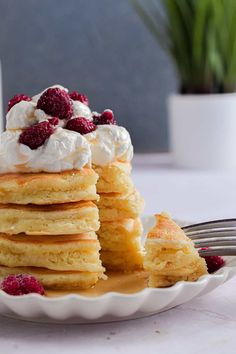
column 204, row 325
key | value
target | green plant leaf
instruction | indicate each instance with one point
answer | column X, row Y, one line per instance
column 200, row 36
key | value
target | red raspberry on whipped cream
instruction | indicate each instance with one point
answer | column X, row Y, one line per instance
column 80, row 125
column 16, row 99
column 56, row 103
column 36, row 135
column 76, row 96
column 107, row 117
column 54, row 121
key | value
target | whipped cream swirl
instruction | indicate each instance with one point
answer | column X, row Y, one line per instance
column 64, row 150
column 110, row 143
column 25, row 113
column 81, row 110
column 21, row 115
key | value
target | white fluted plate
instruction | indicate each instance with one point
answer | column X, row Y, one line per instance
column 112, row 306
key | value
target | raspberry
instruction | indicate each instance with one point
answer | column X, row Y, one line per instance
column 213, row 262
column 21, row 284
column 96, row 117
column 54, row 121
column 76, row 96
column 80, row 125
column 107, row 117
column 36, row 135
column 16, row 99
column 56, row 102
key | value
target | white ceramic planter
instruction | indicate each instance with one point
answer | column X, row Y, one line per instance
column 203, row 130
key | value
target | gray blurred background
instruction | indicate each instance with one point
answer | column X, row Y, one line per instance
column 98, row 47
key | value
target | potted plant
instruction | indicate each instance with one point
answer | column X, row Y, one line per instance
column 200, row 37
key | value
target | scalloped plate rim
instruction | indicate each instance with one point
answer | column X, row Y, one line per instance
column 46, row 314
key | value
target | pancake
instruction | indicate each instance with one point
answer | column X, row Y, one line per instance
column 171, row 255
column 121, row 244
column 56, row 280
column 114, row 206
column 64, row 253
column 124, row 235
column 122, row 261
column 58, row 219
column 48, row 188
column 160, row 281
column 114, row 178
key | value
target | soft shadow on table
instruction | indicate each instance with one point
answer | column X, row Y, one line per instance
column 18, row 334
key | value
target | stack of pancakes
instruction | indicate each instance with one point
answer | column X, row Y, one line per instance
column 171, row 255
column 119, row 208
column 47, row 227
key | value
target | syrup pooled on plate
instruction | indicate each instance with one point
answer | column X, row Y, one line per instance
column 125, row 283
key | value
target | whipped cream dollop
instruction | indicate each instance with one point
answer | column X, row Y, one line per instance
column 64, row 150
column 81, row 110
column 110, row 143
column 25, row 113
column 21, row 115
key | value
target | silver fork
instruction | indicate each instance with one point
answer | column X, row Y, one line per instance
column 219, row 235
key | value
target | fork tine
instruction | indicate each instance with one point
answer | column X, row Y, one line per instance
column 229, row 241
column 211, row 233
column 218, row 235
column 219, row 251
column 224, row 223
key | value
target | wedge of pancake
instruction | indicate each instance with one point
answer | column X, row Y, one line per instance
column 114, row 178
column 115, row 206
column 56, row 280
column 57, row 219
column 48, row 188
column 60, row 253
column 171, row 255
